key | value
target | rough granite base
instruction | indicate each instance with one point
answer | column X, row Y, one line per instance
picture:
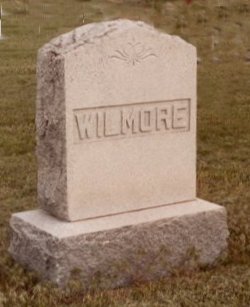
column 115, row 251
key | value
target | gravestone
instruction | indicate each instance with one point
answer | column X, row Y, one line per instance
column 116, row 151
column 125, row 134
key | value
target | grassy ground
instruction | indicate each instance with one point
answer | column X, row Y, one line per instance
column 222, row 36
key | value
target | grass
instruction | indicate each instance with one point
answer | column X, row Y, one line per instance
column 222, row 36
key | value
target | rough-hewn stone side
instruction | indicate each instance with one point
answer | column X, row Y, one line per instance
column 120, row 256
column 92, row 32
column 50, row 125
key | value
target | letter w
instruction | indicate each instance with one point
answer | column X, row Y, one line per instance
column 86, row 125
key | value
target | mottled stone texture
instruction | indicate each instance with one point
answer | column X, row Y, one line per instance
column 51, row 138
column 138, row 246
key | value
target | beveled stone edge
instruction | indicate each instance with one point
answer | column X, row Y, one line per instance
column 63, row 229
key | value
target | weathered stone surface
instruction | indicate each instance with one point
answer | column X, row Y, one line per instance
column 116, row 149
column 51, row 128
column 116, row 250
column 116, row 120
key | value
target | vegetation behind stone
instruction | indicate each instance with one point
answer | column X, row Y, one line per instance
column 221, row 32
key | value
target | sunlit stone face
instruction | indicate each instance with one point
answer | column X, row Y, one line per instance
column 125, row 97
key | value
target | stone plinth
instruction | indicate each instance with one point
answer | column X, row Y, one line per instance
column 116, row 250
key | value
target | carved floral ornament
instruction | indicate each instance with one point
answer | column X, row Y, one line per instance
column 133, row 53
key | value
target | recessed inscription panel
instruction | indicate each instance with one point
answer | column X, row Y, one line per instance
column 131, row 120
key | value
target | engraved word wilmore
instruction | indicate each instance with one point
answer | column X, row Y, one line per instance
column 129, row 120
